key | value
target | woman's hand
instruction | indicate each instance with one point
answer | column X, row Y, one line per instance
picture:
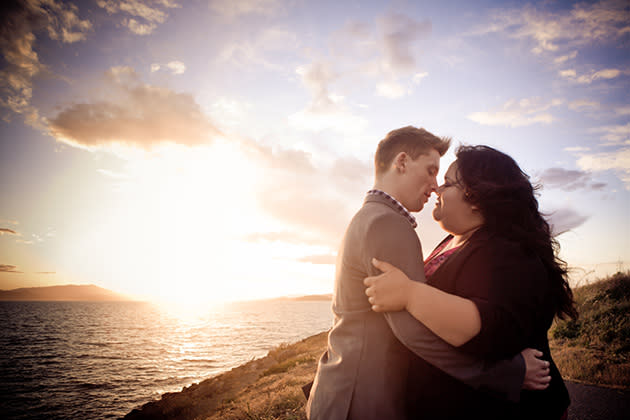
column 389, row 291
column 537, row 375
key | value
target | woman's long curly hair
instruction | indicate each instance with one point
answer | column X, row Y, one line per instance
column 495, row 183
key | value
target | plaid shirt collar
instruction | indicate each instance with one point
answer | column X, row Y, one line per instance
column 397, row 205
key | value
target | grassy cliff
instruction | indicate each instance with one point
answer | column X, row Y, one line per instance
column 594, row 349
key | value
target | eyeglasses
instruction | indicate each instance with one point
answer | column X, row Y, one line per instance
column 448, row 184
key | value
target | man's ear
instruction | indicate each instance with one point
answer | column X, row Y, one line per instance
column 400, row 162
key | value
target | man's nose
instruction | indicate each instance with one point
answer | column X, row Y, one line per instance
column 434, row 185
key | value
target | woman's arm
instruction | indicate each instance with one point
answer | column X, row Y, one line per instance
column 454, row 319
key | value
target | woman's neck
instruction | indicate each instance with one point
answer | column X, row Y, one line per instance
column 461, row 239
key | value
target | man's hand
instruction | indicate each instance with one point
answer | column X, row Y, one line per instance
column 537, row 375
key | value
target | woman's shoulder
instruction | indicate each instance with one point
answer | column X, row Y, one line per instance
column 502, row 246
column 505, row 255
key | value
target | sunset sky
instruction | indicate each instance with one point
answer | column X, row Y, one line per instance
column 202, row 150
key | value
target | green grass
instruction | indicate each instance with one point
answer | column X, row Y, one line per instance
column 595, row 347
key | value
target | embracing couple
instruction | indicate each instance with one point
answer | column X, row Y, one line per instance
column 462, row 334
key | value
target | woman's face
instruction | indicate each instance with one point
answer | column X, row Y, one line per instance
column 454, row 214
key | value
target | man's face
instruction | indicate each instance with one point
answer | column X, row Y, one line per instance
column 419, row 180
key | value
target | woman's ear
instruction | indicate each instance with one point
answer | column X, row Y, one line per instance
column 474, row 207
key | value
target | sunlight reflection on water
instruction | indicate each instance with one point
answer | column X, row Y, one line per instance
column 102, row 359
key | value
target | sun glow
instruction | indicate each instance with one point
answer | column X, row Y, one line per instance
column 176, row 230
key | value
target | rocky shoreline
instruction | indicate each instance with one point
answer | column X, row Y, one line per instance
column 265, row 388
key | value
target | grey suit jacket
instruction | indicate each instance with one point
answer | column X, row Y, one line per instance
column 363, row 372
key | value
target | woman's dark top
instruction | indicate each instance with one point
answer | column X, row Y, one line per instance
column 511, row 291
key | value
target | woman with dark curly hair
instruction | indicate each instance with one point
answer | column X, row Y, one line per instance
column 494, row 286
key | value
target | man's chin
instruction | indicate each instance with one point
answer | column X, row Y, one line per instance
column 418, row 207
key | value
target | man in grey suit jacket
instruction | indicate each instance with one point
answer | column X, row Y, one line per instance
column 362, row 374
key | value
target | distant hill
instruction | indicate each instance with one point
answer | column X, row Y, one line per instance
column 62, row 293
column 301, row 298
column 312, row 297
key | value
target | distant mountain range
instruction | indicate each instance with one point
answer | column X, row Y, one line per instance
column 62, row 293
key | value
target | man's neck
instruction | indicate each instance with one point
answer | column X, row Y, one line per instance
column 386, row 188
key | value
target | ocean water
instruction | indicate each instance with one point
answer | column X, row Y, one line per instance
column 98, row 360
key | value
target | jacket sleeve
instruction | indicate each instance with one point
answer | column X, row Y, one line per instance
column 391, row 239
column 511, row 290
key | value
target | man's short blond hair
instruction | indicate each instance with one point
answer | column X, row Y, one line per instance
column 411, row 140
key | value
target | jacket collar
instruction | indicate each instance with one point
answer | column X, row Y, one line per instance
column 384, row 198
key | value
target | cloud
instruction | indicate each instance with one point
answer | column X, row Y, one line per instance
column 251, row 53
column 326, row 109
column 551, row 31
column 618, row 161
column 564, row 220
column 583, row 104
column 139, row 28
column 614, row 134
column 385, row 53
column 592, row 76
column 324, row 259
column 46, row 272
column 623, row 110
column 7, row 231
column 317, row 77
column 394, row 89
column 417, row 78
column 577, row 149
column 349, row 169
column 397, row 40
column 150, row 12
column 141, row 115
column 564, row 58
column 21, row 23
column 230, row 112
column 312, row 202
column 391, row 90
column 316, row 201
column 569, row 180
column 244, row 7
column 176, row 67
column 515, row 113
column 4, row 268
column 399, row 34
column 307, row 206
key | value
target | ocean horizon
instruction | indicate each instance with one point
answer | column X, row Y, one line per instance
column 96, row 360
